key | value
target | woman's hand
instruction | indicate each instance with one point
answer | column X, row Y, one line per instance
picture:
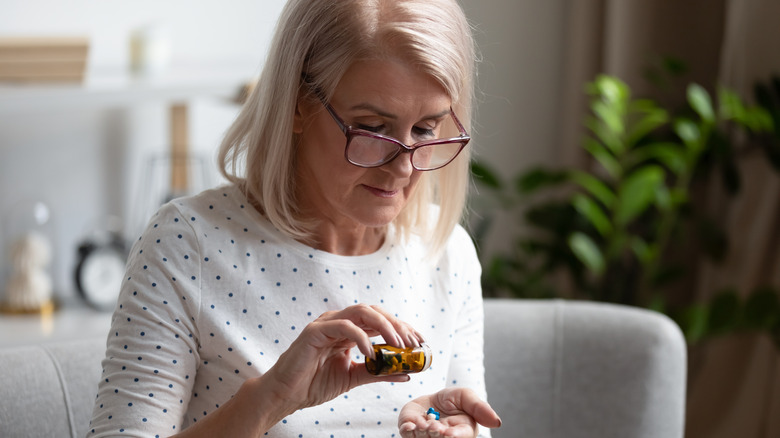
column 460, row 410
column 318, row 367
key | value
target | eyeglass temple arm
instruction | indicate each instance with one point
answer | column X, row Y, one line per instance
column 460, row 126
column 336, row 117
column 317, row 92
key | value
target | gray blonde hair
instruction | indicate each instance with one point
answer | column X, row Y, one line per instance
column 321, row 39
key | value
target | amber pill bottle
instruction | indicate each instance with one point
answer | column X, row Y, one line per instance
column 394, row 360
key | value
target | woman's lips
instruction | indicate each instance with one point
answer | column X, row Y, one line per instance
column 381, row 193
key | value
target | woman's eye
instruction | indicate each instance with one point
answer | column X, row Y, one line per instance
column 370, row 128
column 423, row 132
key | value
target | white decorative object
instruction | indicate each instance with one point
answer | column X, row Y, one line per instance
column 29, row 287
column 26, row 285
column 150, row 50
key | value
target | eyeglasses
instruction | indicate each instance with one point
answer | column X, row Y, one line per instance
column 370, row 149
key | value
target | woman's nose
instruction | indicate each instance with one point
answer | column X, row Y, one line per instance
column 401, row 165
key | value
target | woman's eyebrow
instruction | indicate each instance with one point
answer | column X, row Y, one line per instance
column 372, row 108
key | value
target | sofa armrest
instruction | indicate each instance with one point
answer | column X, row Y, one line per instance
column 572, row 369
column 49, row 390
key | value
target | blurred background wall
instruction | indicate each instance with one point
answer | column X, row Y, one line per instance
column 87, row 162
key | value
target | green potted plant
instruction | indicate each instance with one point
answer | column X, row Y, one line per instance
column 614, row 231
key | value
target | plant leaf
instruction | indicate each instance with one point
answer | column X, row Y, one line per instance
column 611, row 128
column 555, row 216
column 538, row 178
column 755, row 118
column 594, row 186
column 593, row 213
column 637, row 192
column 652, row 120
column 587, row 252
column 700, row 101
column 675, row 66
column 610, row 88
column 663, row 198
column 485, row 175
column 644, row 252
column 758, row 119
column 610, row 105
column 731, row 107
column 668, row 154
column 690, row 134
column 602, row 155
column 694, row 322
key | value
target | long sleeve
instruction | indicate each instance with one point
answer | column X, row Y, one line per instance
column 152, row 347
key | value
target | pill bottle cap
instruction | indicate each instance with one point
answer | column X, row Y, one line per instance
column 428, row 356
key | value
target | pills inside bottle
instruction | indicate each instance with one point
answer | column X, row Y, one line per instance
column 394, row 360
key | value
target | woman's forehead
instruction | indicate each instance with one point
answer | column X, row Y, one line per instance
column 380, row 82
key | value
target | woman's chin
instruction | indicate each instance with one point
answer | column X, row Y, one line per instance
column 379, row 216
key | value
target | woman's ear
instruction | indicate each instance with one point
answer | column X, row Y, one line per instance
column 303, row 110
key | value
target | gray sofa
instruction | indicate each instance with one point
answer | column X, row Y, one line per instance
column 555, row 369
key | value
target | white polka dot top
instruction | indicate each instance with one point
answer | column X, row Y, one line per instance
column 214, row 294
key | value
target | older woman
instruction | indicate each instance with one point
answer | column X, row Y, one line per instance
column 248, row 310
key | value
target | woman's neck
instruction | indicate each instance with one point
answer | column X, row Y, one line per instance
column 338, row 239
column 343, row 241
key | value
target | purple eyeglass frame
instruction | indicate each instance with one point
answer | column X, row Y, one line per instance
column 351, row 132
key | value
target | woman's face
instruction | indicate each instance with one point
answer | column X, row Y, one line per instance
column 385, row 96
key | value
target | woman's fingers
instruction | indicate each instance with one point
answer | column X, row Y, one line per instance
column 426, row 428
column 369, row 320
column 376, row 321
column 413, row 422
column 362, row 376
column 318, row 366
column 330, row 333
column 462, row 400
column 408, row 334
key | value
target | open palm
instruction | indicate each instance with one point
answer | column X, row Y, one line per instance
column 460, row 409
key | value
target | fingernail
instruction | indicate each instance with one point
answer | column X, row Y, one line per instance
column 400, row 340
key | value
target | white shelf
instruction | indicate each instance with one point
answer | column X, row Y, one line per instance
column 119, row 88
column 70, row 322
column 104, row 90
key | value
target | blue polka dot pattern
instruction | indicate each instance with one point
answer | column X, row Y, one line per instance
column 178, row 350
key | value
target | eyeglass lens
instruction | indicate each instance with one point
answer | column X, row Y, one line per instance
column 373, row 151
